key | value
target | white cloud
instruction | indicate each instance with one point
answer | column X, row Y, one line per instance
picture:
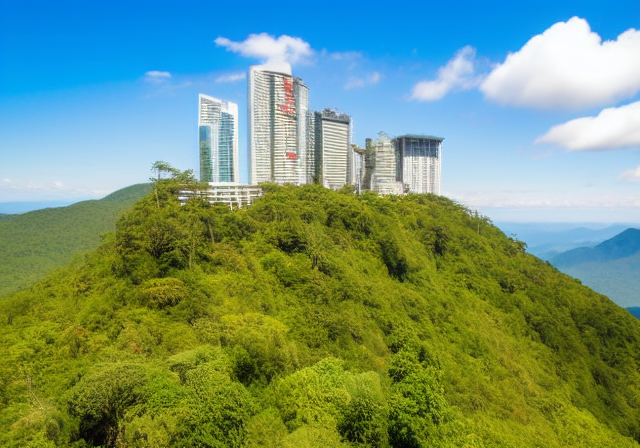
column 233, row 77
column 632, row 175
column 269, row 49
column 615, row 127
column 157, row 77
column 457, row 74
column 358, row 83
column 568, row 66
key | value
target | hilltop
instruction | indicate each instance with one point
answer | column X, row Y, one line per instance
column 315, row 318
column 33, row 244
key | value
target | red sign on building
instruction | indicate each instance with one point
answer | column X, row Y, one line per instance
column 289, row 102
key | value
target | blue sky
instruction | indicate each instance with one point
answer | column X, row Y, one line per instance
column 92, row 92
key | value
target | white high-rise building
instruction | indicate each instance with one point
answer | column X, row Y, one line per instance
column 218, row 139
column 305, row 154
column 333, row 151
column 419, row 162
column 277, row 105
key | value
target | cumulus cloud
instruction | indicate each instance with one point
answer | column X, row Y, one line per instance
column 632, row 175
column 615, row 127
column 233, row 77
column 358, row 83
column 157, row 77
column 459, row 73
column 569, row 67
column 269, row 49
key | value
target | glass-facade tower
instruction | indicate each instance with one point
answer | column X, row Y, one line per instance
column 218, row 139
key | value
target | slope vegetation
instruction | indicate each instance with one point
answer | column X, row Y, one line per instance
column 315, row 319
column 33, row 244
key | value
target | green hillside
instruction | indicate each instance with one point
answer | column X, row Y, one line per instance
column 618, row 279
column 315, row 318
column 33, row 244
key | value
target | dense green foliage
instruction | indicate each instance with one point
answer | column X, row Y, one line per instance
column 617, row 279
column 33, row 244
column 315, row 319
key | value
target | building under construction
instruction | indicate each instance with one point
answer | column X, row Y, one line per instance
column 405, row 164
column 419, row 162
column 380, row 174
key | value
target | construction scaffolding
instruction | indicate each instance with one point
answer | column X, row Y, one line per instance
column 419, row 162
column 380, row 166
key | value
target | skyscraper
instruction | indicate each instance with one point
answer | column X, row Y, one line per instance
column 218, row 139
column 305, row 152
column 277, row 105
column 333, row 151
column 418, row 162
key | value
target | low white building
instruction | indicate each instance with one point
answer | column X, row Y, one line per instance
column 233, row 194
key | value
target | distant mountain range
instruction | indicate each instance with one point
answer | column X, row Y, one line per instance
column 34, row 243
column 623, row 245
column 546, row 240
column 611, row 267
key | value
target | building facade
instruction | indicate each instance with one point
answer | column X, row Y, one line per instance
column 277, row 105
column 218, row 139
column 380, row 166
column 232, row 194
column 419, row 162
column 304, row 150
column 333, row 152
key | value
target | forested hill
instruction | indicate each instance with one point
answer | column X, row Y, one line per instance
column 315, row 318
column 33, row 244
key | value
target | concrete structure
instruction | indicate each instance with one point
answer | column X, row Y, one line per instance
column 333, row 152
column 218, row 139
column 380, row 166
column 277, row 105
column 306, row 167
column 418, row 162
column 358, row 166
column 233, row 194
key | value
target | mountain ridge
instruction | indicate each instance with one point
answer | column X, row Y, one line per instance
column 625, row 244
column 36, row 242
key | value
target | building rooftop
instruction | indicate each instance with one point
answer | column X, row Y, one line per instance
column 422, row 136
